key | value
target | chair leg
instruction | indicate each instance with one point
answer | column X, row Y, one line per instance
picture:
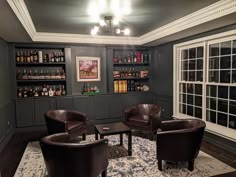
column 191, row 165
column 160, row 164
column 84, row 136
column 104, row 173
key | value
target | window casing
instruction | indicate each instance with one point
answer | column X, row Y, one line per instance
column 205, row 83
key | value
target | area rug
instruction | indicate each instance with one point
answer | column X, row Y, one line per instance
column 142, row 163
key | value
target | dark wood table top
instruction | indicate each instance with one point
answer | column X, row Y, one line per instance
column 112, row 128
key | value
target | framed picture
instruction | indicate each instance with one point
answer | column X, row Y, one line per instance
column 88, row 69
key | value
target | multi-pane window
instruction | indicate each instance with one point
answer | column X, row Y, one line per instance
column 205, row 83
column 221, row 89
column 190, row 82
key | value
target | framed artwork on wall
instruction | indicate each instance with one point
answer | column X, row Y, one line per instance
column 88, row 69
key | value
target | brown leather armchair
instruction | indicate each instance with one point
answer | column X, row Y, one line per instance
column 144, row 117
column 58, row 121
column 64, row 156
column 179, row 140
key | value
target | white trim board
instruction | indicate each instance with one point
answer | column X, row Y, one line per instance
column 209, row 13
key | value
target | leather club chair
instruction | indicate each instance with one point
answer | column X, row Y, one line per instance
column 65, row 156
column 144, row 117
column 179, row 140
column 59, row 121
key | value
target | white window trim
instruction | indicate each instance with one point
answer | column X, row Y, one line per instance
column 206, row 41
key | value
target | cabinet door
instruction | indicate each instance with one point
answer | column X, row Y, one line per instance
column 41, row 106
column 101, row 103
column 116, row 106
column 65, row 103
column 85, row 104
column 109, row 106
column 24, row 112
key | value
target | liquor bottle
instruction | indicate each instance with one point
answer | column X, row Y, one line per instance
column 41, row 76
column 40, row 57
column 58, row 75
column 31, row 56
column 30, row 74
column 36, row 93
column 24, row 76
column 52, row 58
column 63, row 75
column 63, row 92
column 56, row 57
column 131, row 57
column 18, row 56
column 47, row 75
column 135, row 58
column 115, row 59
column 50, row 92
column 28, row 57
column 19, row 75
column 21, row 56
column 46, row 93
column 19, row 92
column 119, row 59
column 25, row 92
column 45, row 58
column 36, row 76
column 35, row 57
column 62, row 57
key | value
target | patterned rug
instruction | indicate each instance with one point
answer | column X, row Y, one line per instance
column 142, row 163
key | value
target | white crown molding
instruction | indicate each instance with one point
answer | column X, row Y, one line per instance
column 214, row 11
column 86, row 39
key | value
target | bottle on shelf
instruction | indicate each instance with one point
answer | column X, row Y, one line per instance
column 19, row 75
column 22, row 56
column 40, row 56
column 18, row 57
column 63, row 92
column 35, row 57
column 28, row 57
column 19, row 93
column 62, row 59
column 31, row 56
column 50, row 92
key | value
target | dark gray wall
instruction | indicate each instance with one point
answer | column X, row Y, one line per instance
column 6, row 104
column 162, row 80
column 90, row 51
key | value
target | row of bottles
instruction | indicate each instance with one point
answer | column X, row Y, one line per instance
column 45, row 90
column 88, row 88
column 28, row 74
column 130, row 73
column 136, row 57
column 123, row 86
column 30, row 56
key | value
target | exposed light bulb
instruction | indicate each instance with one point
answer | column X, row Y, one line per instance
column 96, row 28
column 102, row 23
column 118, row 31
column 126, row 31
column 93, row 32
column 115, row 21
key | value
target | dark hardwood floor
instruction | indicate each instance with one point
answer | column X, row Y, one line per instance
column 12, row 153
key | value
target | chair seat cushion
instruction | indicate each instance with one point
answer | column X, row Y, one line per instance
column 74, row 126
column 140, row 120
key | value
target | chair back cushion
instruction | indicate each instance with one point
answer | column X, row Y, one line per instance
column 64, row 156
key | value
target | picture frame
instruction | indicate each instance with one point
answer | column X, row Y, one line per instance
column 88, row 69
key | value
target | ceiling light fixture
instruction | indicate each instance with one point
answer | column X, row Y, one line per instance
column 108, row 25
